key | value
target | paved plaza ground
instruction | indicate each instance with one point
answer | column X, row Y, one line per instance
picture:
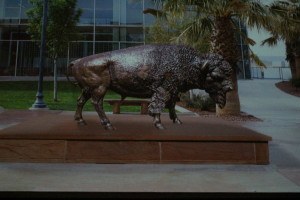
column 279, row 111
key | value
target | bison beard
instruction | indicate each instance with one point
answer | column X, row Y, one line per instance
column 159, row 72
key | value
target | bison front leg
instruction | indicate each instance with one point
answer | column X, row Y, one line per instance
column 158, row 103
column 172, row 112
column 97, row 101
column 85, row 96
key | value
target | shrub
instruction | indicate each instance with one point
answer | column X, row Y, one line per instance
column 199, row 101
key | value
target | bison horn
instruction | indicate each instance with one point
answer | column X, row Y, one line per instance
column 204, row 66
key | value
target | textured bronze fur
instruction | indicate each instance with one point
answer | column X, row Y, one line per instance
column 159, row 72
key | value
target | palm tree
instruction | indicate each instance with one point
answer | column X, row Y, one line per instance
column 166, row 28
column 285, row 25
column 219, row 17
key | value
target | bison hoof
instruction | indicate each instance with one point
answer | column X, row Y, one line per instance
column 109, row 127
column 159, row 126
column 177, row 121
column 81, row 122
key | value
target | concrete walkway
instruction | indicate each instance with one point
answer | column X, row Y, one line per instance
column 260, row 98
column 281, row 115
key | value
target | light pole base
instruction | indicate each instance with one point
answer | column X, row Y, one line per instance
column 37, row 108
column 39, row 103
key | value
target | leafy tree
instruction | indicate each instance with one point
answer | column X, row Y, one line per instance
column 61, row 28
column 218, row 18
column 285, row 25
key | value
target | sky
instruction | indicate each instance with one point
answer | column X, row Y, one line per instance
column 276, row 52
column 258, row 37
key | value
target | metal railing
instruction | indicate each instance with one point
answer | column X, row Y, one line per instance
column 20, row 57
column 282, row 73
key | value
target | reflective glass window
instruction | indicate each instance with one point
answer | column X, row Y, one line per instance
column 107, row 11
column 87, row 7
column 80, row 49
column 149, row 19
column 12, row 3
column 86, row 33
column 101, row 47
column 107, row 34
column 9, row 11
column 132, row 34
column 8, row 32
column 25, row 6
column 131, row 12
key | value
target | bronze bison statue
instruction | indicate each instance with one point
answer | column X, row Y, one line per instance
column 159, row 72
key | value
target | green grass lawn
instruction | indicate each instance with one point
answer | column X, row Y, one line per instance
column 21, row 95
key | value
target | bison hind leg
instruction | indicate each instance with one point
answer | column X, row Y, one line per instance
column 97, row 101
column 159, row 100
column 84, row 97
column 172, row 112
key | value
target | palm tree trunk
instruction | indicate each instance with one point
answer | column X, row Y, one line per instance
column 290, row 57
column 297, row 68
column 223, row 42
column 55, row 79
column 292, row 64
column 232, row 106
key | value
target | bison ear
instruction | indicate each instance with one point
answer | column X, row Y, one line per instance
column 204, row 65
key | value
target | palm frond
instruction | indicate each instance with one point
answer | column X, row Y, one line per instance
column 256, row 59
column 246, row 39
column 154, row 12
column 249, row 41
column 271, row 41
column 194, row 30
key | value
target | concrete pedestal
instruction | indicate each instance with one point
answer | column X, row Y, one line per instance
column 58, row 138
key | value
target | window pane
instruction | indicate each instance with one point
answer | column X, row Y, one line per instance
column 132, row 34
column 149, row 19
column 107, row 34
column 80, row 49
column 85, row 3
column 86, row 33
column 101, row 47
column 107, row 11
column 12, row 3
column 11, row 13
column 87, row 16
column 9, row 32
column 131, row 12
column 87, row 7
column 7, row 58
column 26, row 5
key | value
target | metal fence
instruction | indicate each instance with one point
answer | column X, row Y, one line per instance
column 21, row 58
column 282, row 73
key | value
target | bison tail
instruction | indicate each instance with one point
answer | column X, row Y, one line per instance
column 69, row 71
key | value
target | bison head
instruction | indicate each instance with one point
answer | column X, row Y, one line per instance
column 217, row 81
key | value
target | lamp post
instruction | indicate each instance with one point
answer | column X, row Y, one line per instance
column 39, row 102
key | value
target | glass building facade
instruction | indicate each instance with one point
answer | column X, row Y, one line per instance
column 244, row 71
column 105, row 25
